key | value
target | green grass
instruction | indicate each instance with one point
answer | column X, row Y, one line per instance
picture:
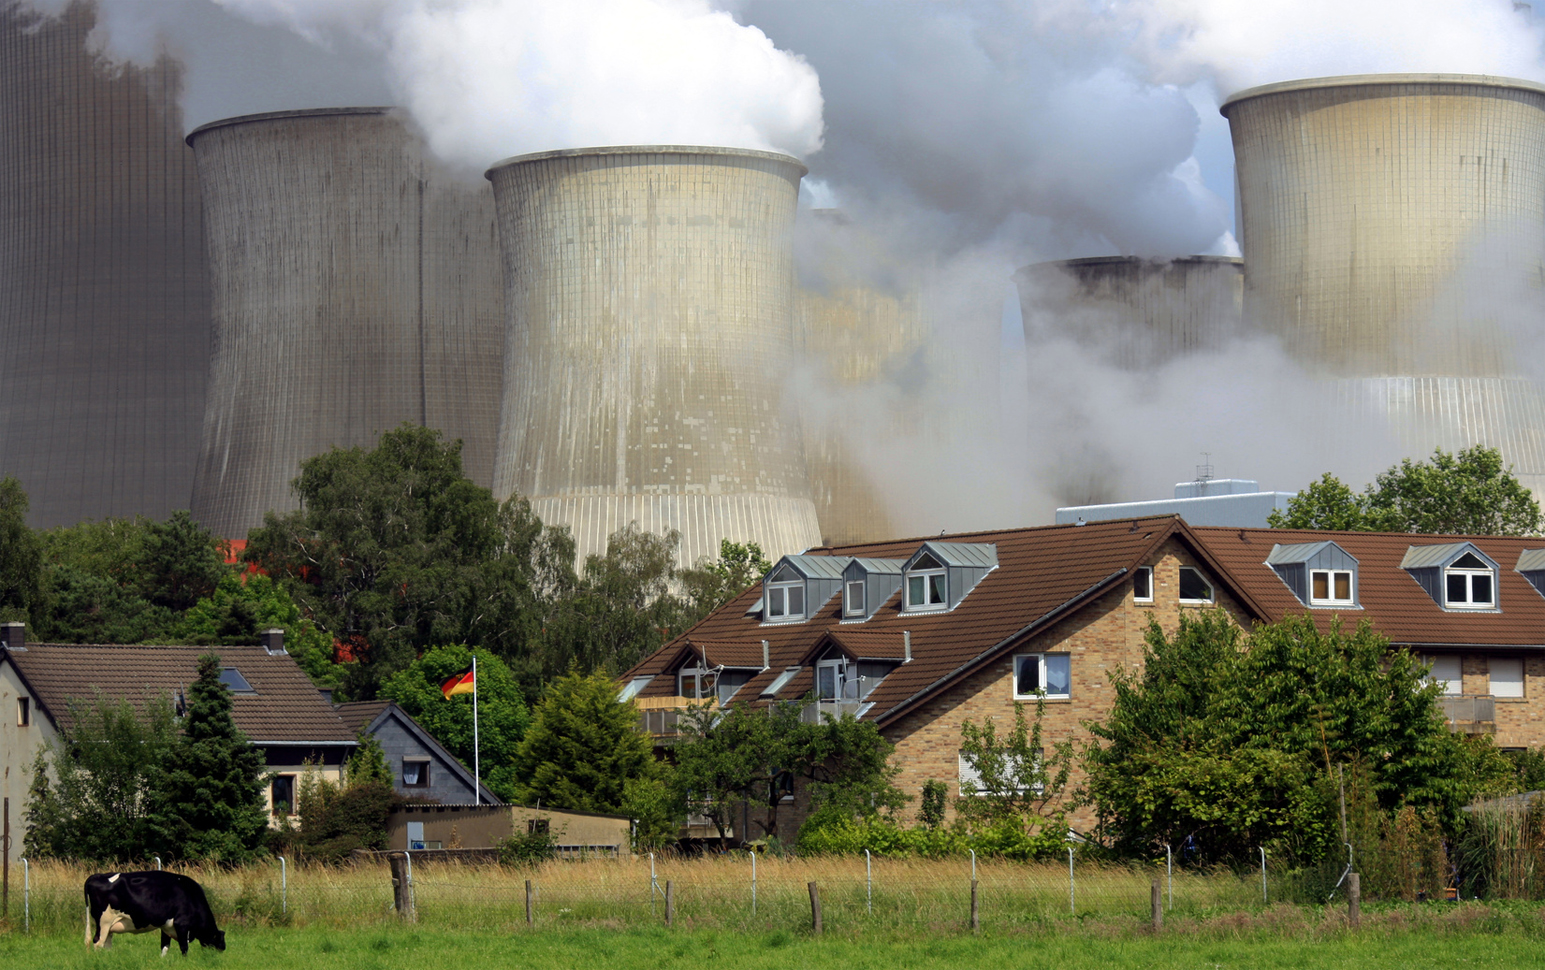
column 1436, row 935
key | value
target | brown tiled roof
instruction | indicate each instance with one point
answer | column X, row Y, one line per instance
column 1390, row 598
column 868, row 644
column 1042, row 574
column 285, row 708
column 358, row 715
column 729, row 653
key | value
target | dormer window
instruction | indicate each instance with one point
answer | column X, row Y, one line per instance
column 785, row 593
column 926, row 584
column 1318, row 573
column 853, row 598
column 1330, row 587
column 1468, row 584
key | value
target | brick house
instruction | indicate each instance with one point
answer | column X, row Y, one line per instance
column 273, row 703
column 918, row 635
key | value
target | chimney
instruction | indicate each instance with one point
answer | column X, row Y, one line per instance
column 906, row 646
column 272, row 641
column 766, row 655
column 14, row 636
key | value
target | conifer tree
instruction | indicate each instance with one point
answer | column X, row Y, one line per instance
column 582, row 747
column 212, row 801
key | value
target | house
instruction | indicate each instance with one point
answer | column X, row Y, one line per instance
column 421, row 768
column 918, row 635
column 273, row 702
column 575, row 833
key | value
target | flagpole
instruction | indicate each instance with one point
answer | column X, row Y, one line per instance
column 477, row 777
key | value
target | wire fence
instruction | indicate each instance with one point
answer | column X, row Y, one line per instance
column 734, row 891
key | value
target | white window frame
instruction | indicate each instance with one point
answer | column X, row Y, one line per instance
column 1146, row 571
column 1212, row 590
column 1452, row 686
column 23, row 710
column 839, row 669
column 1491, row 682
column 969, row 775
column 1330, row 586
column 778, row 593
column 925, row 575
column 698, row 676
column 848, row 608
column 1469, row 576
column 1040, row 660
column 273, row 803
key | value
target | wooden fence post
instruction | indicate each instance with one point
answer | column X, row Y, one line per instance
column 1354, row 900
column 1156, row 900
column 530, row 909
column 815, row 909
column 402, row 887
column 976, row 921
column 670, row 902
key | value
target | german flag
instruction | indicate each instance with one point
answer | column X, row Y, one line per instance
column 461, row 683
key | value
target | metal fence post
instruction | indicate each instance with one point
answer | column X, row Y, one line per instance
column 1169, row 869
column 753, row 883
column 654, row 885
column 868, row 883
column 158, row 862
column 26, row 895
column 1264, row 898
column 284, row 886
column 1071, row 896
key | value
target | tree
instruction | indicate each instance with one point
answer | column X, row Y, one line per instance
column 241, row 607
column 180, row 562
column 95, row 789
column 1229, row 740
column 1014, row 777
column 21, row 555
column 211, row 793
column 338, row 817
column 1470, row 493
column 503, row 718
column 713, row 582
column 583, row 747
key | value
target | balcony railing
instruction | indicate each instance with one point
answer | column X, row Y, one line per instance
column 1468, row 708
column 661, row 716
column 812, row 712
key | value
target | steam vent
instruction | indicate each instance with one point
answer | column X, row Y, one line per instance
column 1132, row 312
column 650, row 293
column 104, row 307
column 355, row 288
column 1394, row 237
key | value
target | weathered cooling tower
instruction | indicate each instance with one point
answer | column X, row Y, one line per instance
column 356, row 287
column 104, row 299
column 1132, row 312
column 1394, row 236
column 651, row 329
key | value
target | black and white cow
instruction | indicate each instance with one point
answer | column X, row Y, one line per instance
column 138, row 902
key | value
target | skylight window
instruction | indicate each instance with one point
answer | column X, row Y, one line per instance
column 780, row 682
column 235, row 682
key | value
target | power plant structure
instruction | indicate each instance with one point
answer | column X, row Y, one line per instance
column 1393, row 229
column 1134, row 313
column 651, row 308
column 104, row 296
column 356, row 286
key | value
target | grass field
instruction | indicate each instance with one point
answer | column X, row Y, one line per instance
column 1436, row 935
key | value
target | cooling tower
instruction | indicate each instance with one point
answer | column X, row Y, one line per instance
column 650, row 294
column 104, row 299
column 356, row 287
column 1394, row 236
column 1131, row 312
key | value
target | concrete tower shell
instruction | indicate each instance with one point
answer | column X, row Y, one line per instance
column 104, row 297
column 650, row 293
column 1394, row 230
column 1134, row 312
column 356, row 287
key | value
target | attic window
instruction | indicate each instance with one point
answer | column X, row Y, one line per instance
column 1142, row 584
column 785, row 595
column 1194, row 587
column 634, row 686
column 853, row 598
column 235, row 682
column 926, row 584
column 1330, row 587
column 780, row 682
column 1468, row 584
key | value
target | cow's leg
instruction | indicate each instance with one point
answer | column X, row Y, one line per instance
column 105, row 924
column 166, row 942
column 183, row 935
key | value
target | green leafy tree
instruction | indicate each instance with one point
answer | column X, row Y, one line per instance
column 713, row 582
column 21, row 556
column 583, row 747
column 240, row 607
column 503, row 717
column 1469, row 493
column 211, row 802
column 95, row 789
column 179, row 562
column 338, row 817
column 1015, row 777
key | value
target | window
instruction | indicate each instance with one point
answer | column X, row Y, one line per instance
column 925, row 584
column 831, row 680
column 1194, row 588
column 971, row 779
column 853, row 604
column 695, row 683
column 1330, row 587
column 785, row 595
column 1142, row 584
column 1036, row 672
column 415, row 773
column 23, row 711
column 1467, row 584
column 631, row 691
column 1446, row 671
column 232, row 678
column 282, row 794
column 781, row 681
column 1507, row 676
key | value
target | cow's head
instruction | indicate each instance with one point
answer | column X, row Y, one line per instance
column 214, row 938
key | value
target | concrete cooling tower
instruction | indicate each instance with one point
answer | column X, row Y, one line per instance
column 104, row 299
column 650, row 293
column 1132, row 312
column 1394, row 236
column 356, row 287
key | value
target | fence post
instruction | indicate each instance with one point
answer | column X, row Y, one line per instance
column 1156, row 904
column 1169, row 870
column 1071, row 896
column 158, row 862
column 670, row 902
column 26, row 895
column 1354, row 900
column 976, row 921
column 5, row 862
column 402, row 885
column 753, row 883
column 868, row 883
column 654, row 885
column 531, row 915
column 815, row 909
column 284, row 887
column 1264, row 898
